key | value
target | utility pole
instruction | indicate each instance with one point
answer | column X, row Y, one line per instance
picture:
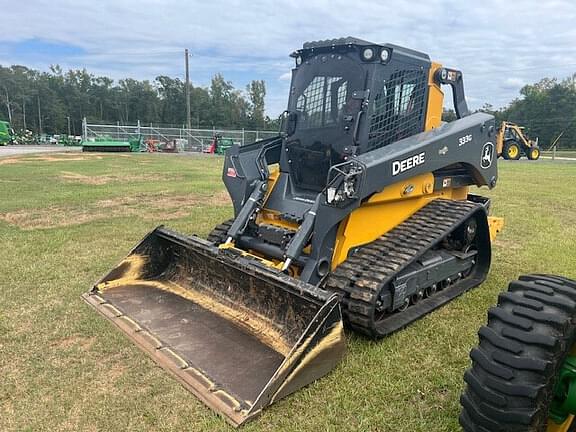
column 24, row 111
column 188, row 119
column 8, row 106
column 39, row 115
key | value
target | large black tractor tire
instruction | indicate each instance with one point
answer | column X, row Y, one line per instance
column 219, row 233
column 517, row 362
column 533, row 153
column 511, row 150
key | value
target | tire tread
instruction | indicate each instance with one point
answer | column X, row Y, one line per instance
column 520, row 351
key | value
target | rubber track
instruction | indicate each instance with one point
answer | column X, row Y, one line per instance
column 361, row 278
column 521, row 349
column 220, row 232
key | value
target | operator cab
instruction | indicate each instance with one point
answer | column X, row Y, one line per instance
column 347, row 97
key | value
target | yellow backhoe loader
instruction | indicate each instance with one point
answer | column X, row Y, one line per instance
column 512, row 142
column 359, row 214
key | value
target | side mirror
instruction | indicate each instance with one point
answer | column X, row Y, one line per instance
column 288, row 121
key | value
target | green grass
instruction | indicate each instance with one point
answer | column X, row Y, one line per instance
column 63, row 367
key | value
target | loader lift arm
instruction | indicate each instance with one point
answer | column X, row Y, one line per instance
column 454, row 78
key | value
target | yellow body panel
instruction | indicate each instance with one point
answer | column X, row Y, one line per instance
column 564, row 427
column 387, row 209
column 272, row 217
column 435, row 100
column 267, row 262
column 274, row 173
column 500, row 140
column 495, row 224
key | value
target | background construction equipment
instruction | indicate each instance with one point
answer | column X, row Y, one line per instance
column 512, row 142
column 6, row 133
column 108, row 144
column 219, row 145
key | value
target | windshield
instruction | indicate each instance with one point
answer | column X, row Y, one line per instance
column 321, row 102
column 326, row 99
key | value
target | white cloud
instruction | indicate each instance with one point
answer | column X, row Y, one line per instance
column 287, row 76
column 513, row 83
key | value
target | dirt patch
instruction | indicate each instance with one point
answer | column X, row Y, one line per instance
column 221, row 198
column 114, row 372
column 111, row 178
column 507, row 244
column 81, row 342
column 166, row 201
column 58, row 157
column 9, row 161
column 54, row 157
column 159, row 207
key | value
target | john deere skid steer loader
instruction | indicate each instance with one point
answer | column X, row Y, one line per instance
column 359, row 214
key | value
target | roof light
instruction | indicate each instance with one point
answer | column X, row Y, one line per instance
column 384, row 55
column 368, row 54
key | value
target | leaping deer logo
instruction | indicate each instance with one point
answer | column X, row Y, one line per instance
column 487, row 153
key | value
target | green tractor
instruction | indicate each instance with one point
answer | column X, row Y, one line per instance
column 67, row 140
column 219, row 145
column 6, row 133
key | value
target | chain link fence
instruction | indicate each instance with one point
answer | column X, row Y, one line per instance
column 193, row 140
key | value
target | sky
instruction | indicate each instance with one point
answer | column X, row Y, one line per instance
column 499, row 45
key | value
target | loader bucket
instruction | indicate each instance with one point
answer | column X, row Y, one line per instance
column 237, row 334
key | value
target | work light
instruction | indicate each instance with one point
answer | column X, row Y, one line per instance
column 368, row 54
column 384, row 55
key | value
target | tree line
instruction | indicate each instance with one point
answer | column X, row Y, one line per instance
column 57, row 101
column 547, row 109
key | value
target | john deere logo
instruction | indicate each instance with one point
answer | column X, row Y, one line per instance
column 487, row 155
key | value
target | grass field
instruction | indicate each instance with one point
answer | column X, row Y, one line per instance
column 66, row 219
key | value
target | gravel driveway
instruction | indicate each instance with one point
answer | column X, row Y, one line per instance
column 15, row 150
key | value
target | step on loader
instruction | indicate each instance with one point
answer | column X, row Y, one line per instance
column 357, row 215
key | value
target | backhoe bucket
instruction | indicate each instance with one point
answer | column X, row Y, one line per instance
column 236, row 333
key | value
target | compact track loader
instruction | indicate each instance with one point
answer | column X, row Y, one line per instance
column 359, row 214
